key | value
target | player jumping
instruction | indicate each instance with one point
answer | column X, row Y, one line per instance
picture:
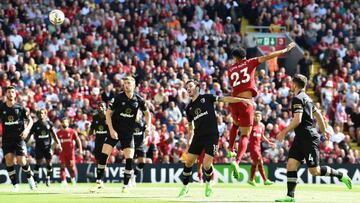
column 67, row 137
column 257, row 133
column 15, row 130
column 43, row 131
column 241, row 75
column 306, row 143
column 203, row 134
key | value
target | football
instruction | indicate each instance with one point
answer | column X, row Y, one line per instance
column 56, row 17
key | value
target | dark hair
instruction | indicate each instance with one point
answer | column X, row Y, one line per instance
column 239, row 53
column 11, row 87
column 300, row 80
column 193, row 81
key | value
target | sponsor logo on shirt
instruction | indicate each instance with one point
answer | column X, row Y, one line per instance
column 43, row 134
column 138, row 131
column 11, row 121
column 199, row 114
column 101, row 130
column 127, row 113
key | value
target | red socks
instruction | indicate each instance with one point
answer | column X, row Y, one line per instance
column 233, row 134
column 243, row 143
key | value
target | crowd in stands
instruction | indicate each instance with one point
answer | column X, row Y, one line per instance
column 71, row 68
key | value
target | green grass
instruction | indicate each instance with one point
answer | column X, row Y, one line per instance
column 168, row 193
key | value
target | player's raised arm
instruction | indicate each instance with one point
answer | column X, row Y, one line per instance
column 274, row 54
column 234, row 100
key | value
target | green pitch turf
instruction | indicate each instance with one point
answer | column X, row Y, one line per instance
column 168, row 193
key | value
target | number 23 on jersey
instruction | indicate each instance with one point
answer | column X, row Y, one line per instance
column 240, row 77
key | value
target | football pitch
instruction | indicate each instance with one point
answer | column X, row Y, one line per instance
column 160, row 192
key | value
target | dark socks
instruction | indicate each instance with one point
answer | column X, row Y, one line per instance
column 12, row 174
column 139, row 168
column 291, row 183
column 328, row 171
column 36, row 172
column 128, row 169
column 186, row 174
column 208, row 174
column 27, row 170
column 100, row 168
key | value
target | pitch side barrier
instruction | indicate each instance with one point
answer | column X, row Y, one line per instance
column 171, row 173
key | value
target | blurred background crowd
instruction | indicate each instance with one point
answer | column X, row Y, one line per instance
column 70, row 69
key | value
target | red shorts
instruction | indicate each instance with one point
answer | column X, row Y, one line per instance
column 67, row 158
column 243, row 113
column 255, row 154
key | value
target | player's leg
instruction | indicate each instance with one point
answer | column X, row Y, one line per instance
column 63, row 163
column 199, row 163
column 242, row 147
column 210, row 152
column 234, row 129
column 312, row 160
column 187, row 171
column 292, row 167
column 36, row 169
column 21, row 160
column 252, row 172
column 128, row 147
column 9, row 161
column 139, row 167
column 262, row 172
column 48, row 171
column 72, row 169
column 20, row 150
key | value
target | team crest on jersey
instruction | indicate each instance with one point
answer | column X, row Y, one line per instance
column 10, row 118
column 136, row 104
column 197, row 111
column 202, row 100
column 128, row 110
column 4, row 112
column 123, row 103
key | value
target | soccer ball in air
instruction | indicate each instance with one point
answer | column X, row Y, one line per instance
column 56, row 17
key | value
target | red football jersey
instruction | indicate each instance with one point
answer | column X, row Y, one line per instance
column 67, row 138
column 256, row 135
column 242, row 76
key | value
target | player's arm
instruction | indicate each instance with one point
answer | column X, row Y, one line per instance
column 147, row 116
column 55, row 137
column 267, row 140
column 293, row 124
column 190, row 132
column 322, row 124
column 274, row 54
column 108, row 114
column 29, row 135
column 234, row 100
column 78, row 141
column 28, row 124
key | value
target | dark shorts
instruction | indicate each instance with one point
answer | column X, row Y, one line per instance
column 15, row 146
column 99, row 142
column 306, row 149
column 139, row 146
column 126, row 140
column 41, row 152
column 209, row 143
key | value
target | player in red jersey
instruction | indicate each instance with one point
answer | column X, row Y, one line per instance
column 242, row 80
column 257, row 134
column 67, row 136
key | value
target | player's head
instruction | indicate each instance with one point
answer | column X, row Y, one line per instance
column 10, row 93
column 65, row 122
column 192, row 87
column 258, row 116
column 129, row 84
column 101, row 108
column 298, row 82
column 239, row 53
column 41, row 114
